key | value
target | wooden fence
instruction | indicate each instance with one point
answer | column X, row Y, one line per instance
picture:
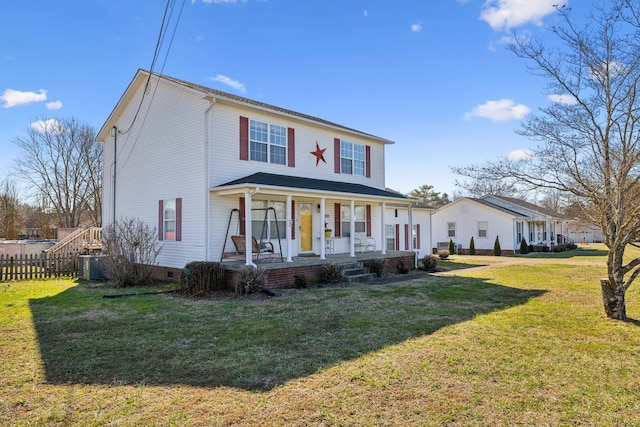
column 38, row 266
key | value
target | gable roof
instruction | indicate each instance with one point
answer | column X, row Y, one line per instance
column 300, row 183
column 526, row 205
column 143, row 75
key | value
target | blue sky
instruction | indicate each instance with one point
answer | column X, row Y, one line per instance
column 434, row 76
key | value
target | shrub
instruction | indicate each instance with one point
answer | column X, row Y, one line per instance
column 429, row 262
column 402, row 269
column 332, row 273
column 376, row 266
column 300, row 281
column 249, row 280
column 200, row 278
column 443, row 254
column 131, row 249
column 452, row 247
column 472, row 247
column 559, row 248
column 524, row 248
column 571, row 246
column 497, row 251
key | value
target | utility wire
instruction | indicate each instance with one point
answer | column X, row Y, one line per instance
column 161, row 37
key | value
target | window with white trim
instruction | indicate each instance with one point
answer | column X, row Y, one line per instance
column 519, row 230
column 169, row 219
column 352, row 158
column 360, row 220
column 483, row 226
column 451, row 229
column 267, row 143
column 414, row 236
column 391, row 237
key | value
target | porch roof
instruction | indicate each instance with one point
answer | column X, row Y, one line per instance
column 342, row 189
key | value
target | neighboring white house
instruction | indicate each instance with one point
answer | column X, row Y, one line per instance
column 583, row 232
column 409, row 229
column 485, row 218
column 200, row 164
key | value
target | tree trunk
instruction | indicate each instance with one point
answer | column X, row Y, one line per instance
column 613, row 300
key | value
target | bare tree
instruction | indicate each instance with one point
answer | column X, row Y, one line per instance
column 62, row 162
column 131, row 249
column 589, row 135
column 11, row 214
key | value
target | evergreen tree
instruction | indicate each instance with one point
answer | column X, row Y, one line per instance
column 497, row 251
column 452, row 247
column 472, row 247
column 524, row 248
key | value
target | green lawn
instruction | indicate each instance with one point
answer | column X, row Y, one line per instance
column 514, row 342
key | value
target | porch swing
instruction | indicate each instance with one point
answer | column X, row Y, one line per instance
column 257, row 247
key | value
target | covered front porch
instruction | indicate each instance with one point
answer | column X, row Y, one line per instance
column 292, row 219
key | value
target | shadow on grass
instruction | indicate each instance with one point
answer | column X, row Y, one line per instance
column 244, row 343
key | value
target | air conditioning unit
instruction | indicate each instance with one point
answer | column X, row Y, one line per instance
column 91, row 267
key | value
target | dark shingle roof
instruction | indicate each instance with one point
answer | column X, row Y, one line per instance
column 286, row 181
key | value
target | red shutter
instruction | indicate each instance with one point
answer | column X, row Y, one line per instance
column 244, row 138
column 336, row 155
column 406, row 237
column 179, row 219
column 291, row 147
column 368, row 221
column 417, row 236
column 397, row 237
column 293, row 220
column 336, row 220
column 368, row 161
column 160, row 220
column 242, row 221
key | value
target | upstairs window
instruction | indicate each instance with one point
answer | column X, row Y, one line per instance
column 352, row 158
column 267, row 143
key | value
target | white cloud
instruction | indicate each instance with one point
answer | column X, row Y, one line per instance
column 520, row 154
column 416, row 28
column 229, row 82
column 47, row 126
column 13, row 98
column 504, row 14
column 55, row 105
column 501, row 110
column 563, row 99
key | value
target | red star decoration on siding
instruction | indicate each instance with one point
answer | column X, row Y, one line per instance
column 319, row 153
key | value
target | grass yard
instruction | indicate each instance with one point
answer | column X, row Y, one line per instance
column 516, row 341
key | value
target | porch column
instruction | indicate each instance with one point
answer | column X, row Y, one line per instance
column 410, row 217
column 247, row 229
column 323, row 239
column 383, row 228
column 289, row 215
column 547, row 229
column 352, row 227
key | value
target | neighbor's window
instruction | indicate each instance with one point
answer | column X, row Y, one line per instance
column 169, row 219
column 345, row 219
column 268, row 143
column 482, row 229
column 352, row 158
column 391, row 237
column 519, row 230
column 451, row 229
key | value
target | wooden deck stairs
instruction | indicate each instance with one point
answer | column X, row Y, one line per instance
column 84, row 241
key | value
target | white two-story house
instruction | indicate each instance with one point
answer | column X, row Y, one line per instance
column 203, row 165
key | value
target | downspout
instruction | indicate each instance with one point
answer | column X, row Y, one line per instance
column 115, row 169
column 207, row 165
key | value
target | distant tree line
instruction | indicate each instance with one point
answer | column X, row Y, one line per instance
column 61, row 169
